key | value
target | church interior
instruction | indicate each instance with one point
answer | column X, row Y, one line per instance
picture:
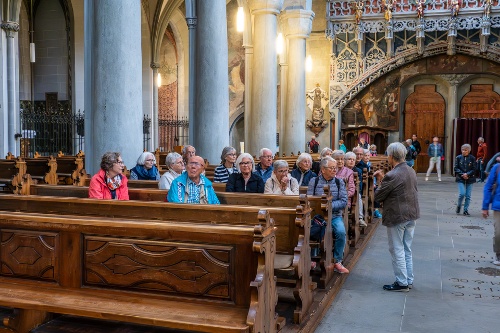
column 129, row 76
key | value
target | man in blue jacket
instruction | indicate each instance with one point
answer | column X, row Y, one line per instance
column 192, row 186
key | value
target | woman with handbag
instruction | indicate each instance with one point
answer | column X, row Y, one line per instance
column 492, row 196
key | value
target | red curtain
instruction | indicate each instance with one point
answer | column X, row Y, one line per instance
column 467, row 130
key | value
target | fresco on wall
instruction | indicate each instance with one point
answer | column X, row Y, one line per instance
column 376, row 106
column 236, row 61
column 459, row 63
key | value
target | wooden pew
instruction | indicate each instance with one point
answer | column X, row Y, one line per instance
column 292, row 216
column 70, row 169
column 12, row 172
column 42, row 170
column 196, row 277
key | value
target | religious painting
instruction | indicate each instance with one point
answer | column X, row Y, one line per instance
column 236, row 61
column 377, row 106
column 453, row 64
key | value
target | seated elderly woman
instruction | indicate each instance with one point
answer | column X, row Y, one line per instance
column 226, row 167
column 345, row 173
column 109, row 182
column 281, row 182
column 245, row 180
column 175, row 165
column 145, row 168
column 303, row 173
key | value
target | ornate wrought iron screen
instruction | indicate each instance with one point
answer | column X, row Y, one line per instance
column 173, row 131
column 50, row 131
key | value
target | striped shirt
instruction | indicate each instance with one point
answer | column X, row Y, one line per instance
column 221, row 173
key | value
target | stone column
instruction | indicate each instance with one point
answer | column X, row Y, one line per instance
column 115, row 80
column 211, row 122
column 11, row 28
column 297, row 24
column 262, row 117
column 155, row 138
column 191, row 21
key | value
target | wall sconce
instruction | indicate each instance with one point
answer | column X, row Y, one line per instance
column 158, row 80
column 32, row 52
column 309, row 63
column 279, row 43
column 240, row 20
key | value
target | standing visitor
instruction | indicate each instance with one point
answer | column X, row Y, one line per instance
column 465, row 168
column 482, row 154
column 435, row 152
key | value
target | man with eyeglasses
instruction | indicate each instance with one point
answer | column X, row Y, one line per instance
column 337, row 187
column 188, row 152
column 191, row 186
column 265, row 168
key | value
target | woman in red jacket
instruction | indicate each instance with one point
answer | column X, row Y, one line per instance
column 109, row 182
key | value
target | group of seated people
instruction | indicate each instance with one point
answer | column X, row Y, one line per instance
column 186, row 182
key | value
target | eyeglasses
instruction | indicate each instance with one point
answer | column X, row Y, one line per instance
column 233, row 154
column 282, row 171
column 149, row 160
column 180, row 162
column 349, row 159
column 119, row 162
column 332, row 168
column 245, row 163
column 196, row 164
column 267, row 156
column 357, row 154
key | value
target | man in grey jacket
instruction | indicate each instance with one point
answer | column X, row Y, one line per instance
column 337, row 188
column 398, row 192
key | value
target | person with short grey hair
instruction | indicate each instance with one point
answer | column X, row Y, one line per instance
column 175, row 166
column 265, row 167
column 325, row 152
column 339, row 202
column 397, row 191
column 281, row 182
column 187, row 152
column 303, row 173
column 227, row 166
column 145, row 168
column 246, row 180
column 465, row 170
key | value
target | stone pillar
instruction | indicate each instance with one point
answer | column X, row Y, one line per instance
column 113, row 71
column 191, row 21
column 297, row 24
column 11, row 28
column 262, row 117
column 211, row 122
column 155, row 138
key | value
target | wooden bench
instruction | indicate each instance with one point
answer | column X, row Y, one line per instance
column 195, row 277
column 42, row 170
column 70, row 169
column 291, row 214
column 12, row 172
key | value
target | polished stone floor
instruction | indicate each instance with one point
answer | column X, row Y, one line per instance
column 456, row 287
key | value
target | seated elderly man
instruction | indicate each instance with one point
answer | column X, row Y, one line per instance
column 192, row 186
column 281, row 182
column 337, row 188
column 265, row 168
column 187, row 152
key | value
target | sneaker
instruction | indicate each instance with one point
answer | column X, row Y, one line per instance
column 496, row 262
column 439, row 179
column 426, row 178
column 458, row 210
column 410, row 286
column 396, row 287
column 377, row 214
column 466, row 213
column 339, row 268
column 362, row 223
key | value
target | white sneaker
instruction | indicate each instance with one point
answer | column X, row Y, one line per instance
column 496, row 262
column 439, row 179
column 362, row 223
column 426, row 178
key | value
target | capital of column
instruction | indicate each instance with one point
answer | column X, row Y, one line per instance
column 258, row 7
column 297, row 23
column 191, row 22
column 155, row 65
column 10, row 28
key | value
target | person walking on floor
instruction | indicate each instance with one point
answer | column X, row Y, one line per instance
column 482, row 153
column 465, row 168
column 492, row 197
column 435, row 152
column 397, row 191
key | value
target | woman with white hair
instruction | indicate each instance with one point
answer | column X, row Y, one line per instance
column 465, row 170
column 175, row 165
column 145, row 168
column 303, row 173
column 226, row 167
column 281, row 182
column 245, row 180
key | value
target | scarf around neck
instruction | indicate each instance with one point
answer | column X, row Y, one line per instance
column 114, row 183
column 146, row 174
